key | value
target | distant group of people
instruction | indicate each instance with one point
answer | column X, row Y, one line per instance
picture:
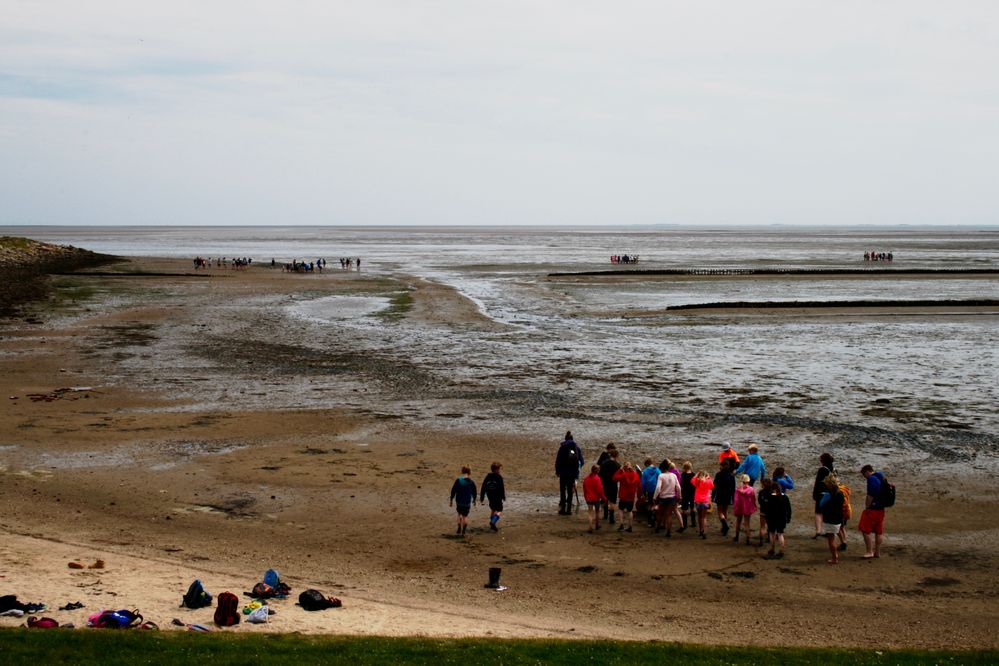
column 235, row 263
column 678, row 496
column 624, row 259
column 878, row 256
column 319, row 265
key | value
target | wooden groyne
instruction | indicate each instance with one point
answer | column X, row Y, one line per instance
column 879, row 272
column 763, row 305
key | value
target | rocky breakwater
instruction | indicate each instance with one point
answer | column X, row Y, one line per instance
column 25, row 265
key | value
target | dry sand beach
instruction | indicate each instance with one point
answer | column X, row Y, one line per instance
column 203, row 440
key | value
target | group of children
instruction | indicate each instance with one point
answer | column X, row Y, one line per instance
column 669, row 496
column 684, row 498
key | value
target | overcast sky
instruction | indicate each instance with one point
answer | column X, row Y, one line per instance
column 464, row 112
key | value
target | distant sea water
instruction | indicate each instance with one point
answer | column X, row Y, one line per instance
column 571, row 336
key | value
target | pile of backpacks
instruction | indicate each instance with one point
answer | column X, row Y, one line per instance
column 227, row 612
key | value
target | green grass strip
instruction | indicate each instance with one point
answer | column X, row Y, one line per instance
column 104, row 646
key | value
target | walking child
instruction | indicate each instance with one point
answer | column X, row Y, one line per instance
column 594, row 496
column 778, row 514
column 628, row 484
column 463, row 497
column 831, row 506
column 703, row 485
column 724, row 493
column 687, row 497
column 492, row 487
column 745, row 506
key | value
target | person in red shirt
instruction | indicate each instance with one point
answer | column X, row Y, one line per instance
column 628, row 484
column 593, row 495
column 703, row 485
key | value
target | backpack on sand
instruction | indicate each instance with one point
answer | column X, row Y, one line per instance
column 313, row 600
column 227, row 612
column 197, row 596
column 115, row 619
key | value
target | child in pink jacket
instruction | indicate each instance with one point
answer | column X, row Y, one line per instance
column 594, row 496
column 745, row 506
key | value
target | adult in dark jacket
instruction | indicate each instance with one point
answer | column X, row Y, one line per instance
column 492, row 487
column 568, row 462
column 826, row 462
column 723, row 493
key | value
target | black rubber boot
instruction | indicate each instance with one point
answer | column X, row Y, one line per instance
column 494, row 577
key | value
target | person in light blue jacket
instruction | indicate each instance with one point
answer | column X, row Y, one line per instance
column 753, row 465
column 783, row 479
column 650, row 476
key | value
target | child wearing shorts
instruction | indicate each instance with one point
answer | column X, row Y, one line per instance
column 594, row 496
column 777, row 511
column 463, row 495
column 703, row 485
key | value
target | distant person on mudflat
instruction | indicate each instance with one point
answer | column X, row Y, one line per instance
column 493, row 488
column 753, row 465
column 629, row 484
column 463, row 497
column 650, row 475
column 703, row 487
column 608, row 469
column 872, row 519
column 831, row 506
column 826, row 462
column 568, row 462
column 593, row 495
column 723, row 494
column 847, row 514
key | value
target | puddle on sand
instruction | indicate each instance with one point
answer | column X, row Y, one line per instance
column 330, row 309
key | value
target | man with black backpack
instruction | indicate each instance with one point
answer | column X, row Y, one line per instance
column 872, row 520
column 568, row 462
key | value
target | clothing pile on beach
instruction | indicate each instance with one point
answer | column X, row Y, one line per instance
column 226, row 614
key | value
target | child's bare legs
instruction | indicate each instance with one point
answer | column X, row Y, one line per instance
column 723, row 518
column 831, row 541
column 738, row 527
column 702, row 519
column 818, row 525
column 763, row 527
column 780, row 538
column 592, row 512
column 842, row 537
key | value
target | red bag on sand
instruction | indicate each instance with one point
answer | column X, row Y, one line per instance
column 227, row 612
column 42, row 623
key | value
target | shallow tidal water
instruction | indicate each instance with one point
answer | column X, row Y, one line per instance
column 604, row 351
